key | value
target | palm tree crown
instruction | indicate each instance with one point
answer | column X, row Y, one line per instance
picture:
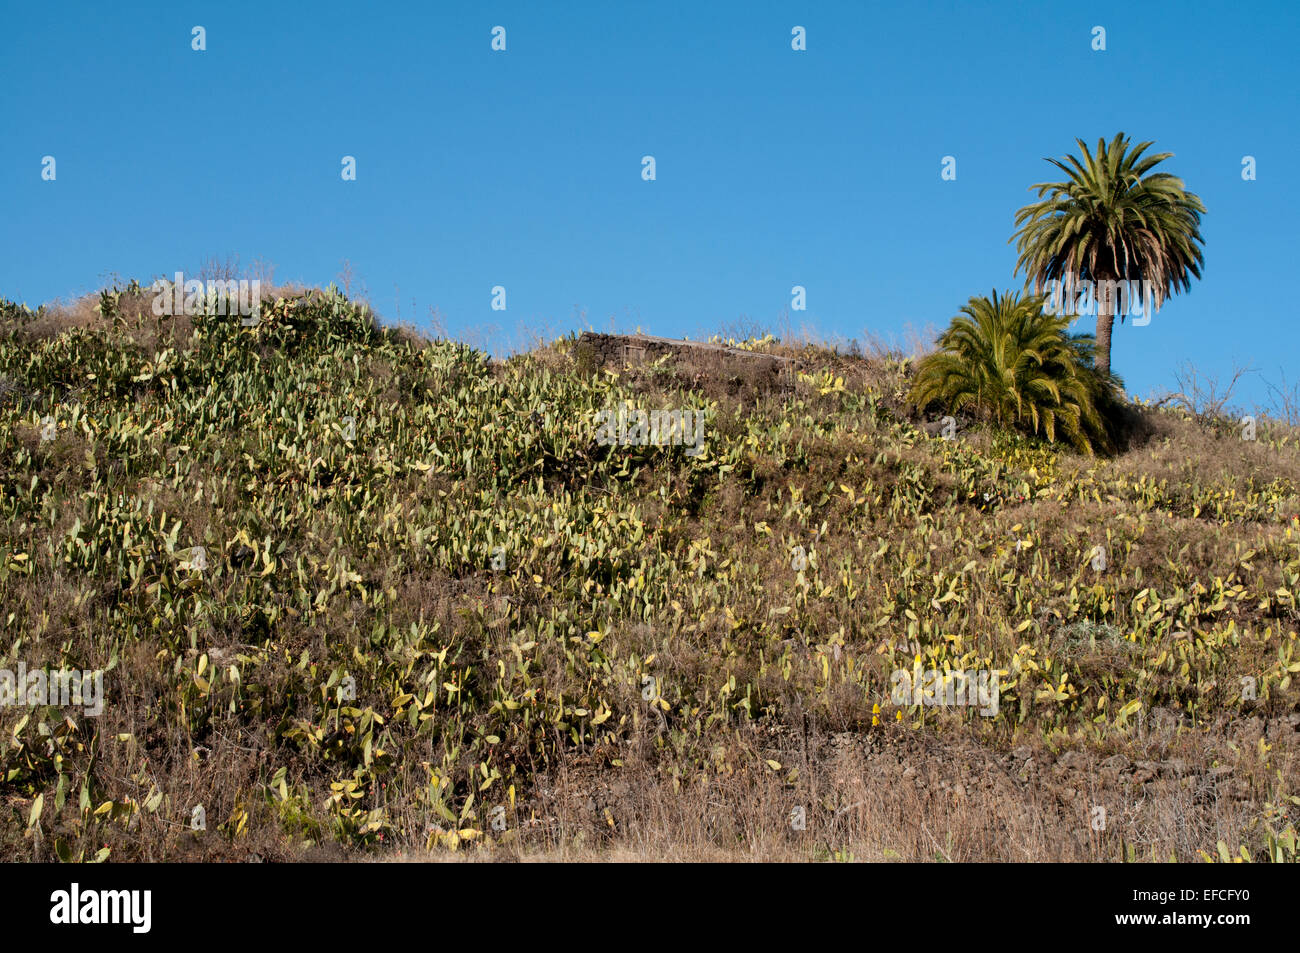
column 1111, row 220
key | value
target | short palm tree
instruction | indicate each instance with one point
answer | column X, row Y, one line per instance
column 1111, row 220
column 1006, row 360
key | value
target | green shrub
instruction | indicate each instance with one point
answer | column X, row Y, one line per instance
column 1005, row 360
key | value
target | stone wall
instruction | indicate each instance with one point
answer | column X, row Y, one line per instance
column 624, row 350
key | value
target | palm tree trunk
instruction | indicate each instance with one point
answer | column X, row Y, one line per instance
column 1104, row 324
column 1106, row 307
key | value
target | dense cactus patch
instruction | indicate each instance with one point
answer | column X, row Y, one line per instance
column 350, row 587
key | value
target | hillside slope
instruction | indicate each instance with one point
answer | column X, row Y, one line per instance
column 351, row 591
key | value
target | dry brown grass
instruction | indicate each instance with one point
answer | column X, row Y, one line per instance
column 63, row 315
column 889, row 795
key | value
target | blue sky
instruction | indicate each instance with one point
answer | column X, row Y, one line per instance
column 775, row 168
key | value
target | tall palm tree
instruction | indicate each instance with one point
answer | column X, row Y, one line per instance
column 1112, row 220
column 1006, row 360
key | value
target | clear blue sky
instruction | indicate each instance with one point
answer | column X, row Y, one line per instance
column 523, row 169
